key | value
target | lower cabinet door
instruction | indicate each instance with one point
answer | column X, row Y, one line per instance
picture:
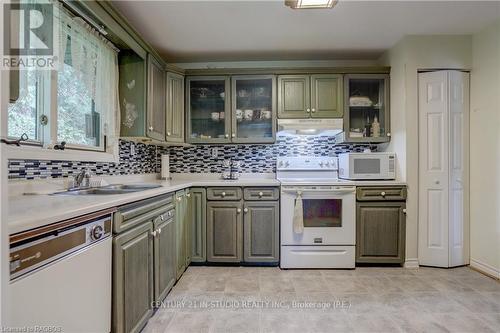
column 164, row 258
column 380, row 232
column 224, row 231
column 198, row 234
column 188, row 226
column 132, row 279
column 180, row 214
column 261, row 231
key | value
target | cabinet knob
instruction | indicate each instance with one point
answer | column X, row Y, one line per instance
column 159, row 231
column 238, row 210
column 313, row 110
column 404, row 210
column 223, row 194
column 261, row 194
column 226, row 136
column 437, row 182
column 245, row 210
column 179, row 199
column 382, row 194
column 150, row 128
column 188, row 195
column 388, row 134
column 162, row 218
column 308, row 110
column 168, row 133
column 233, row 135
column 153, row 233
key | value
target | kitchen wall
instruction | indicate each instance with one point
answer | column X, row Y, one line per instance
column 406, row 58
column 485, row 150
column 136, row 158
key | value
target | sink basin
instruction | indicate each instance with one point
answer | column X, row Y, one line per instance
column 110, row 189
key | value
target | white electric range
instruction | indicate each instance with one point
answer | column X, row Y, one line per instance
column 328, row 214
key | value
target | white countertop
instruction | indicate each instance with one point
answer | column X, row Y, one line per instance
column 35, row 210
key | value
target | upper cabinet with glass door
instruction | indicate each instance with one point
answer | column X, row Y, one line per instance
column 366, row 115
column 253, row 109
column 207, row 101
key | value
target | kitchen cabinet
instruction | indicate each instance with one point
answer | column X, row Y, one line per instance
column 164, row 254
column 261, row 231
column 132, row 278
column 208, row 107
column 366, row 110
column 253, row 110
column 310, row 96
column 175, row 107
column 180, row 227
column 224, row 231
column 231, row 109
column 156, row 113
column 198, row 227
column 380, row 225
column 188, row 226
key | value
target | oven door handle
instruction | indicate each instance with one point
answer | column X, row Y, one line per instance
column 302, row 191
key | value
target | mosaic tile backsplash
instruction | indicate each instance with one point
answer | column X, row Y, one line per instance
column 197, row 159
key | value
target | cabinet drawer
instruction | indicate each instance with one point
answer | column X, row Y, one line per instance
column 381, row 193
column 261, row 193
column 224, row 193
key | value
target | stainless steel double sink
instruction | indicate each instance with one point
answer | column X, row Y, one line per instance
column 109, row 189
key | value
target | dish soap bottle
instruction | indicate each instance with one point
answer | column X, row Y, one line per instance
column 375, row 128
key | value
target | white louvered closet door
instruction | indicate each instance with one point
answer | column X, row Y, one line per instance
column 443, row 168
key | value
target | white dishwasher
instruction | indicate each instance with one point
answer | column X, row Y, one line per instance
column 61, row 277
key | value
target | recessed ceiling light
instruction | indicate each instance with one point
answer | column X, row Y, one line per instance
column 310, row 4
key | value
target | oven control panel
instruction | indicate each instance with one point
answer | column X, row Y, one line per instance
column 307, row 163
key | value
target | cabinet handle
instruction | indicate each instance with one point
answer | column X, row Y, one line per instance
column 382, row 194
column 308, row 110
column 226, row 136
column 404, row 211
column 162, row 218
column 153, row 233
column 238, row 210
column 261, row 194
column 159, row 231
column 245, row 210
column 150, row 128
column 313, row 110
column 223, row 194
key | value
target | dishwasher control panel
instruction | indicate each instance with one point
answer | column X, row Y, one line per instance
column 33, row 253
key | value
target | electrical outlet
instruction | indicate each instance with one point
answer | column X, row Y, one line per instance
column 215, row 152
column 132, row 149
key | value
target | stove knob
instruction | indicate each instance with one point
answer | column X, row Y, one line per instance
column 327, row 164
column 96, row 232
column 280, row 164
column 287, row 164
column 321, row 164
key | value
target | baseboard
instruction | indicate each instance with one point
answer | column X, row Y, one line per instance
column 485, row 268
column 411, row 263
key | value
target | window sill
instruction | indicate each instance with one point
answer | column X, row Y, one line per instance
column 39, row 153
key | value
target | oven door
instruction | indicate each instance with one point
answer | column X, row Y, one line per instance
column 328, row 214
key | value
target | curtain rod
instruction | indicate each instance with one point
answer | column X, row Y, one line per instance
column 78, row 11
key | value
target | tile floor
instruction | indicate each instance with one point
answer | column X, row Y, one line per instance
column 368, row 299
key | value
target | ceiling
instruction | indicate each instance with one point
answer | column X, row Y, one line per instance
column 192, row 31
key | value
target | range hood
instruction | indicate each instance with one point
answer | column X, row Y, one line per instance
column 310, row 126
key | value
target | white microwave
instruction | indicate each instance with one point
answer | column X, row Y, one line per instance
column 367, row 166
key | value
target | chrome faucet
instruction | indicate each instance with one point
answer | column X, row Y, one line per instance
column 82, row 176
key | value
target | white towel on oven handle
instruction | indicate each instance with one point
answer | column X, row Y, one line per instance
column 298, row 217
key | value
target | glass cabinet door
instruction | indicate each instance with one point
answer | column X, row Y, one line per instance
column 367, row 110
column 253, row 109
column 208, row 102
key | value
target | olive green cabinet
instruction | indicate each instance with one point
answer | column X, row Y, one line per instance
column 175, row 107
column 261, row 231
column 366, row 110
column 310, row 96
column 156, row 115
column 380, row 225
column 133, row 278
column 164, row 254
column 224, row 231
column 198, row 225
column 180, row 227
